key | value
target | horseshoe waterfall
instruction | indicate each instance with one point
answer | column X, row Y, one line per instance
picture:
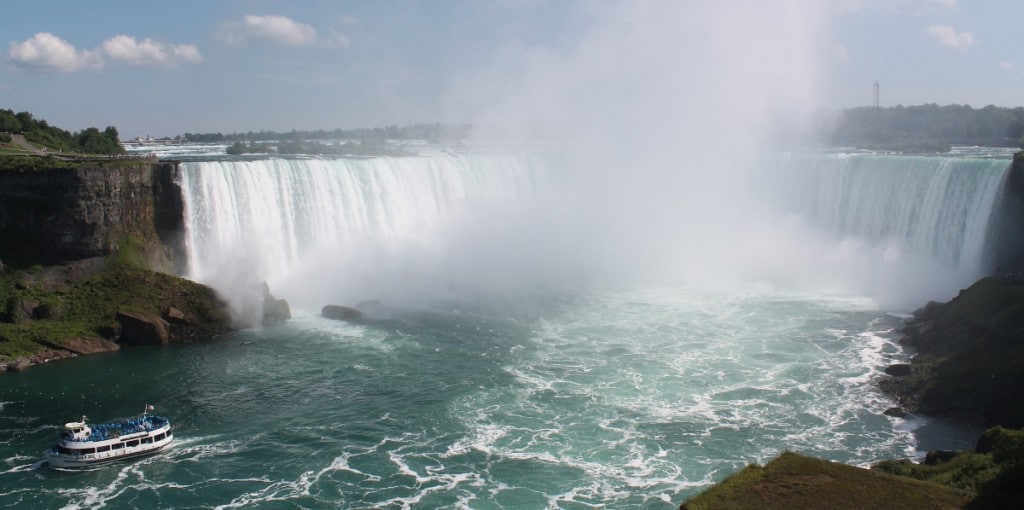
column 529, row 345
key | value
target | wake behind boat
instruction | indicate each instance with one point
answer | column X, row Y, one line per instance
column 83, row 445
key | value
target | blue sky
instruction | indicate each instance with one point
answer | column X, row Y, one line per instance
column 165, row 68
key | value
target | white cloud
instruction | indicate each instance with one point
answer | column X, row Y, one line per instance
column 149, row 53
column 1006, row 65
column 47, row 52
column 272, row 29
column 950, row 38
column 349, row 20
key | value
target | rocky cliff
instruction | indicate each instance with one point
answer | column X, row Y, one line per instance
column 54, row 211
column 85, row 246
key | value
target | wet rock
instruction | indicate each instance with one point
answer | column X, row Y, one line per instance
column 341, row 313
column 275, row 311
column 895, row 412
column 143, row 329
column 898, row 370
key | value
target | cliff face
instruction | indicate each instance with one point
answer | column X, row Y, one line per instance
column 969, row 355
column 1010, row 239
column 73, row 212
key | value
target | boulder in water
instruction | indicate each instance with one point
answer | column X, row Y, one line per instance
column 275, row 311
column 341, row 313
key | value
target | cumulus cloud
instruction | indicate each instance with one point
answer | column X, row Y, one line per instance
column 950, row 38
column 47, row 52
column 149, row 53
column 270, row 29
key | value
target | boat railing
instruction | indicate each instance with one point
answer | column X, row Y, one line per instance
column 105, row 431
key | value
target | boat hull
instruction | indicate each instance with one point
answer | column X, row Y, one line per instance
column 78, row 454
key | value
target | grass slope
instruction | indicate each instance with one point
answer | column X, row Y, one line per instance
column 796, row 481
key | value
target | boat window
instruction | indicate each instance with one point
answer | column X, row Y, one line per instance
column 88, row 450
column 117, row 446
column 132, row 443
column 65, row 451
column 102, row 449
column 159, row 437
column 147, row 440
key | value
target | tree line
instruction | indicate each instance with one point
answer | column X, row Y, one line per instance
column 435, row 133
column 38, row 131
column 929, row 126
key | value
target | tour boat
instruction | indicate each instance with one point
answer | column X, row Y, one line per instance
column 83, row 445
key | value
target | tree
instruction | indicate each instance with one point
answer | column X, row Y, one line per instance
column 9, row 123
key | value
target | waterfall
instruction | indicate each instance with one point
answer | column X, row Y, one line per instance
column 933, row 219
column 284, row 220
column 900, row 229
column 939, row 206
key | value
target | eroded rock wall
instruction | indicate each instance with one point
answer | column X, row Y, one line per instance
column 73, row 212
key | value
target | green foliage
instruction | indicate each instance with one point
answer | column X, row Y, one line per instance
column 5, row 138
column 922, row 128
column 88, row 307
column 131, row 254
column 435, row 133
column 89, row 141
column 93, row 141
column 249, row 148
column 995, row 472
column 364, row 148
column 796, row 481
column 22, row 163
column 9, row 122
column 967, row 471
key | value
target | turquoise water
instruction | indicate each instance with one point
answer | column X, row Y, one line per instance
column 617, row 399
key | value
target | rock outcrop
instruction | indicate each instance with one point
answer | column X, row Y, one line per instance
column 81, row 243
column 143, row 329
column 53, row 211
column 969, row 358
column 341, row 313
